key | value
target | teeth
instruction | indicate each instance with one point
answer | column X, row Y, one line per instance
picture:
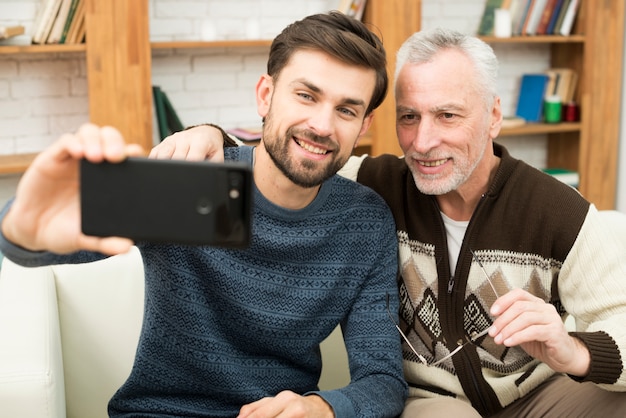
column 311, row 148
column 432, row 163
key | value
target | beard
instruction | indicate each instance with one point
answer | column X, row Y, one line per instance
column 303, row 173
column 440, row 184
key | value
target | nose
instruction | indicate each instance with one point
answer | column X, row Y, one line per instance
column 322, row 121
column 424, row 136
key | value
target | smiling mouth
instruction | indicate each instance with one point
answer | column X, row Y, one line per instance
column 435, row 163
column 311, row 148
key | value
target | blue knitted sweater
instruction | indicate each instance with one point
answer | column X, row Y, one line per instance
column 224, row 327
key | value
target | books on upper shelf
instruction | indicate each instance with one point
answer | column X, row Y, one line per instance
column 74, row 30
column 533, row 17
column 11, row 31
column 59, row 22
column 543, row 17
column 531, row 94
column 46, row 14
column 569, row 177
column 487, row 21
column 549, row 10
column 569, row 16
column 354, row 8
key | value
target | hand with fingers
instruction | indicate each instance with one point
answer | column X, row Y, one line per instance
column 535, row 325
column 45, row 215
column 202, row 142
column 288, row 404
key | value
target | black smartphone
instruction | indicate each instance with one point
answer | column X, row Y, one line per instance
column 184, row 202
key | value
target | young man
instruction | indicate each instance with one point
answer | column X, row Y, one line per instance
column 494, row 254
column 230, row 332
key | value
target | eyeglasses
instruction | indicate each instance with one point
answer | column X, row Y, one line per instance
column 470, row 339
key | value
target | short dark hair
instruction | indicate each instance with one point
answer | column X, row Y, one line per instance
column 341, row 36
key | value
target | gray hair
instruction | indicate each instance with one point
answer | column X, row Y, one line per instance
column 422, row 46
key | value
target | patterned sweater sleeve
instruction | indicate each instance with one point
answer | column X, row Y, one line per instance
column 592, row 287
column 28, row 258
column 377, row 387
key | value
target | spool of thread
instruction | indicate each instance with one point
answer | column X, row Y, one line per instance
column 571, row 112
column 552, row 109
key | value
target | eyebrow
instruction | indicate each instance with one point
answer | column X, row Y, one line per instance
column 436, row 109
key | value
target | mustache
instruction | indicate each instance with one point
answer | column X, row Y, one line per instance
column 309, row 135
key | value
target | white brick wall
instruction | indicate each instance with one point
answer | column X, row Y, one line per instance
column 42, row 96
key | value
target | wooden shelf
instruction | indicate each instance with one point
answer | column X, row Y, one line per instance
column 239, row 43
column 39, row 49
column 540, row 39
column 541, row 128
column 13, row 164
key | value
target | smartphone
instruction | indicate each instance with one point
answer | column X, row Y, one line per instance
column 168, row 201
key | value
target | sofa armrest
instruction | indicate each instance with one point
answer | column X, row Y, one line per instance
column 31, row 365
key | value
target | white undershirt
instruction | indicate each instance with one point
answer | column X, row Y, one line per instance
column 455, row 231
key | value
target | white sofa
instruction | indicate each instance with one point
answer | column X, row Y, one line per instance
column 69, row 333
column 68, row 336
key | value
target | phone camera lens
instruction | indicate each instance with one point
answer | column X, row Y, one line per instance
column 203, row 206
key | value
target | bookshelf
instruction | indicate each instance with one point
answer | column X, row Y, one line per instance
column 394, row 21
column 118, row 56
column 595, row 50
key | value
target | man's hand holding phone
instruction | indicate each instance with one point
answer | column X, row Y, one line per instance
column 45, row 215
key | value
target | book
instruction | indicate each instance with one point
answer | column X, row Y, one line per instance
column 559, row 18
column 533, row 17
column 68, row 21
column 568, row 19
column 73, row 31
column 59, row 22
column 569, row 177
column 531, row 95
column 487, row 21
column 518, row 15
column 562, row 82
column 546, row 16
column 554, row 17
column 48, row 10
column 512, row 122
column 11, row 31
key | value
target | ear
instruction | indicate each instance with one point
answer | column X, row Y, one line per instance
column 264, row 91
column 496, row 119
column 364, row 127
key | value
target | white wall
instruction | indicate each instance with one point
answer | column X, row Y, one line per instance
column 42, row 96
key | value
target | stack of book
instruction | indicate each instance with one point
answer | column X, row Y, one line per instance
column 532, row 17
column 534, row 88
column 59, row 22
